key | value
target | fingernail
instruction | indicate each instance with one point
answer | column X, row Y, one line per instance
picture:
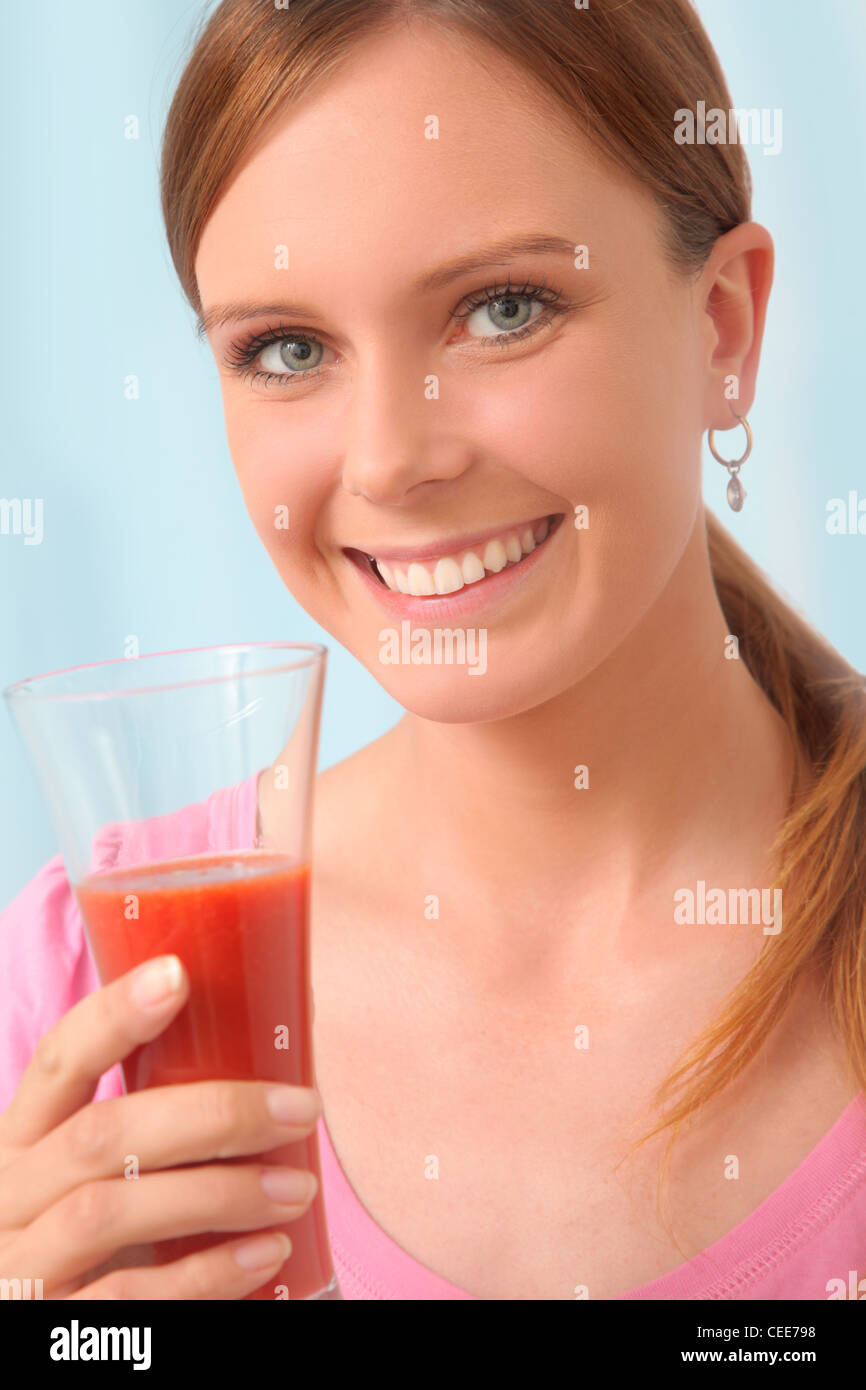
column 292, row 1105
column 263, row 1251
column 156, row 981
column 288, row 1185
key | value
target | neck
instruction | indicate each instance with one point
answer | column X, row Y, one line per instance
column 683, row 753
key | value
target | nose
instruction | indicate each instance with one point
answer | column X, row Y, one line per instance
column 400, row 434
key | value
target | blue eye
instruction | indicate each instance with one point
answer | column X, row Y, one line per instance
column 285, row 354
column 297, row 354
column 499, row 314
column 503, row 314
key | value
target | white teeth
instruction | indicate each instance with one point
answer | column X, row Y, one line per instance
column 448, row 576
column 513, row 549
column 472, row 568
column 452, row 573
column 420, row 581
column 495, row 557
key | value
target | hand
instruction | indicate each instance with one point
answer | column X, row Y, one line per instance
column 68, row 1216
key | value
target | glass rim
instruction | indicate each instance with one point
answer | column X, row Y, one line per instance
column 23, row 689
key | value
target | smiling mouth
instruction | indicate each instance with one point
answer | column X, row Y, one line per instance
column 458, row 569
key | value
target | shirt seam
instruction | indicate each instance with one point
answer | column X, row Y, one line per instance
column 776, row 1252
column 368, row 1283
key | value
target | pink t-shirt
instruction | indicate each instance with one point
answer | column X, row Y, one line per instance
column 809, row 1232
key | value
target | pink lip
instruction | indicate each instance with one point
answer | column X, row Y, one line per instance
column 466, row 601
column 449, row 545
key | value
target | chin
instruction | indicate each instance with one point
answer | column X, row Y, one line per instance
column 456, row 695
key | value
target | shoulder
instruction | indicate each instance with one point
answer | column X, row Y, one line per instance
column 42, row 920
column 45, row 967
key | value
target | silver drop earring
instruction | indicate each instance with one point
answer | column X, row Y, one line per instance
column 736, row 491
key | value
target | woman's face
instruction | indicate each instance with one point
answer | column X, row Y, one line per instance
column 396, row 413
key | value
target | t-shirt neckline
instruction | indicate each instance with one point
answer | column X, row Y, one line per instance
column 787, row 1216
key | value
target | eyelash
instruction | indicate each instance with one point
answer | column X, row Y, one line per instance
column 242, row 353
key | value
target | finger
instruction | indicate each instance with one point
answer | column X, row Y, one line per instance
column 98, row 1031
column 157, row 1128
column 230, row 1270
column 92, row 1223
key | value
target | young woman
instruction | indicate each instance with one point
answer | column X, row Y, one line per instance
column 474, row 305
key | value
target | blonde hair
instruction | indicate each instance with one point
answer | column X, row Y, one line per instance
column 619, row 72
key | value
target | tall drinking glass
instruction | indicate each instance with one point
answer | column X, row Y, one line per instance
column 180, row 788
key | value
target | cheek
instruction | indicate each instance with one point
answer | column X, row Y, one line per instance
column 280, row 475
column 639, row 479
column 606, row 420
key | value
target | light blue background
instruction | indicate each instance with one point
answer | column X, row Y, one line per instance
column 145, row 528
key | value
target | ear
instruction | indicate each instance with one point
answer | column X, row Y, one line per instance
column 734, row 288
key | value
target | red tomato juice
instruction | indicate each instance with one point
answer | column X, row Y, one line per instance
column 238, row 922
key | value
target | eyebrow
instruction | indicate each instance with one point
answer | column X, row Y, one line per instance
column 497, row 252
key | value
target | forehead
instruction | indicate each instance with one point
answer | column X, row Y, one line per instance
column 422, row 143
